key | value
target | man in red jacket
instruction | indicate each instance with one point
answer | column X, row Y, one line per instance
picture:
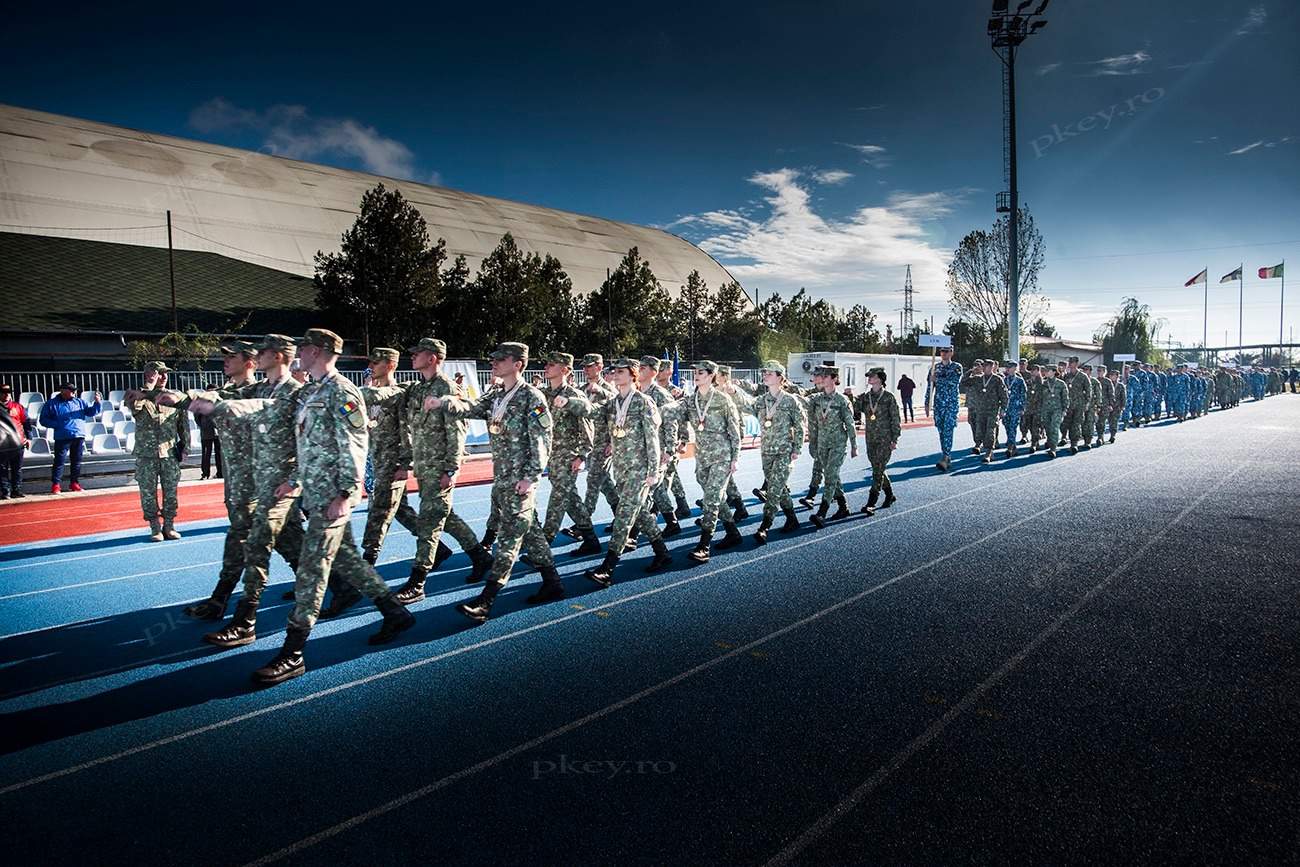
column 11, row 459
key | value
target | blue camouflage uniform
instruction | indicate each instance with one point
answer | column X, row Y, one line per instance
column 1133, row 390
column 947, row 382
column 1016, row 394
column 1176, row 396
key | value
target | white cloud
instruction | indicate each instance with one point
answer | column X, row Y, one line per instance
column 832, row 177
column 782, row 244
column 1076, row 320
column 1254, row 20
column 1121, row 64
column 1047, row 68
column 291, row 131
column 873, row 155
column 1249, row 147
column 1266, row 143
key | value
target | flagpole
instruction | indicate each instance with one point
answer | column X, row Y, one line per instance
column 1241, row 305
column 1205, row 322
column 1281, row 314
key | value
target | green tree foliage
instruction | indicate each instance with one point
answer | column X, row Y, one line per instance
column 384, row 281
column 630, row 313
column 1043, row 328
column 1131, row 329
column 188, row 347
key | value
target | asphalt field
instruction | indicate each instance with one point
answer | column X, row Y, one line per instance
column 1094, row 659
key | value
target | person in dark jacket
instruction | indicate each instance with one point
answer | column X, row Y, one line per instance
column 66, row 414
column 13, row 448
column 905, row 388
column 211, row 447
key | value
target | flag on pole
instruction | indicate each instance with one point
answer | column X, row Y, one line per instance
column 677, row 367
column 1199, row 278
column 1228, row 278
column 1270, row 273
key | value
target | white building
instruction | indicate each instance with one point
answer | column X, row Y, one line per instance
column 854, row 366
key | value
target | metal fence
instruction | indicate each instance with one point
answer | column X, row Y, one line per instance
column 47, row 382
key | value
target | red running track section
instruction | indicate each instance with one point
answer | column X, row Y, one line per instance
column 43, row 517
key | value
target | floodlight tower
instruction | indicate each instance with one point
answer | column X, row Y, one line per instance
column 1007, row 30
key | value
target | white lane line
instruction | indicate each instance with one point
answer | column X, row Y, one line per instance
column 37, row 562
column 812, row 538
column 927, row 737
column 109, row 580
column 407, row 798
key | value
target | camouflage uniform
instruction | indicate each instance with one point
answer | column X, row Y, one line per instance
column 830, row 420
column 947, row 377
column 519, row 430
column 1017, row 396
column 1115, row 409
column 1080, row 396
column 882, row 426
column 571, row 439
column 1053, row 400
column 716, row 423
column 390, row 452
column 744, row 402
column 1179, row 392
column 599, row 480
column 1092, row 408
column 1031, row 423
column 782, row 421
column 986, row 398
column 662, row 497
column 158, row 431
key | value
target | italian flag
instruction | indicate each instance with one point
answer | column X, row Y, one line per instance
column 1269, row 273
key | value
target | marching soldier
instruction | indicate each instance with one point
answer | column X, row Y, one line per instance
column 1118, row 400
column 390, row 455
column 830, row 417
column 1080, row 397
column 1053, row 401
column 674, row 481
column 1033, row 408
column 598, row 392
column 882, row 427
column 519, row 430
column 1101, row 402
column 662, row 500
column 781, row 417
column 815, row 480
column 1016, row 399
column 716, row 422
column 571, row 440
column 332, row 433
column 743, row 401
column 161, row 434
column 437, row 443
column 636, row 458
column 986, row 398
column 945, row 382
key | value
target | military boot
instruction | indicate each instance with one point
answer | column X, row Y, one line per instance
column 482, row 564
column 169, row 529
column 791, row 522
column 843, row 510
column 241, row 630
column 683, row 508
column 760, row 535
column 489, row 536
column 370, row 555
column 590, row 544
column 288, row 663
column 738, row 509
column 551, row 590
column 870, row 507
column 572, row 532
column 413, row 590
column 818, row 518
column 1112, row 438
column 478, row 608
column 890, row 499
column 214, row 607
column 661, row 559
column 671, row 527
column 760, row 494
column 396, row 619
column 810, row 500
column 943, row 464
column 342, row 597
column 731, row 538
column 700, row 554
column 604, row 573
column 155, row 530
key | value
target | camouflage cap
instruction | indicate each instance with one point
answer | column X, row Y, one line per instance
column 1024, row 361
column 517, row 351
column 158, row 367
column 429, row 344
column 384, row 353
column 1033, row 367
column 1073, row 359
column 706, row 366
column 1086, row 366
column 988, row 361
column 1007, row 362
column 665, row 364
column 830, row 370
column 978, row 361
column 650, row 361
column 559, row 358
column 773, row 365
column 323, row 338
column 238, row 347
column 724, row 370
column 625, row 364
column 278, row 342
column 593, row 358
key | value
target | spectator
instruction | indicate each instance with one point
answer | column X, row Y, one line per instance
column 66, row 415
column 211, row 447
column 460, row 380
column 905, row 388
column 297, row 371
column 13, row 445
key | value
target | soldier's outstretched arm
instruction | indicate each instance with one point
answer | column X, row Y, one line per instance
column 383, row 395
column 734, row 432
column 538, row 436
column 798, row 428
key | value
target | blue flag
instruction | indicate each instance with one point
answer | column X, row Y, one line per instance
column 677, row 364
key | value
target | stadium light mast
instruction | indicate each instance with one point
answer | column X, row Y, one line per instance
column 1007, row 30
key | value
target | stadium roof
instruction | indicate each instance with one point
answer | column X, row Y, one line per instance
column 66, row 177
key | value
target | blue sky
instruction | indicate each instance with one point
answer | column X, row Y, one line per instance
column 824, row 145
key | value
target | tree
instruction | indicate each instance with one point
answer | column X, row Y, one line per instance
column 384, row 278
column 858, row 330
column 1131, row 329
column 970, row 341
column 733, row 329
column 1043, row 328
column 697, row 301
column 630, row 310
column 978, row 277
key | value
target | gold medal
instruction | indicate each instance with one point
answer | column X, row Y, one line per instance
column 767, row 423
column 871, row 417
column 620, row 432
column 494, row 428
